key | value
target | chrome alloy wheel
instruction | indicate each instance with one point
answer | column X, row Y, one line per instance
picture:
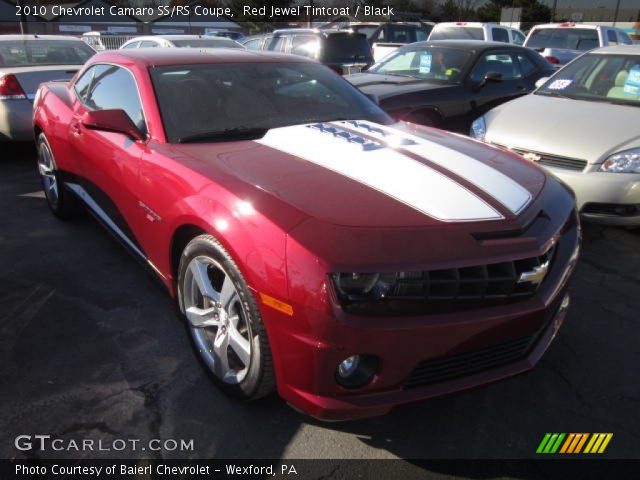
column 47, row 169
column 217, row 319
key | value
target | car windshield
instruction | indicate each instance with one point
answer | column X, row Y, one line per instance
column 457, row 33
column 19, row 53
column 213, row 101
column 443, row 64
column 206, row 43
column 367, row 30
column 564, row 38
column 598, row 77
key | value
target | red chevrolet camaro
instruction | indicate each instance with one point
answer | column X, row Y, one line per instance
column 314, row 246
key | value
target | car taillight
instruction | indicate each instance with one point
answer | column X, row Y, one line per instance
column 10, row 88
column 553, row 60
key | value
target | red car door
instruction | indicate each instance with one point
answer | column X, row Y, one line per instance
column 108, row 162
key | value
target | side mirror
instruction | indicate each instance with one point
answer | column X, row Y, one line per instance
column 488, row 77
column 541, row 81
column 112, row 121
column 374, row 98
column 492, row 77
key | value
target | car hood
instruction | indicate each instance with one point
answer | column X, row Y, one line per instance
column 579, row 129
column 360, row 174
column 391, row 85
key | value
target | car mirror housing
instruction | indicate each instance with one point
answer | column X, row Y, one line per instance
column 112, row 121
column 492, row 77
column 541, row 81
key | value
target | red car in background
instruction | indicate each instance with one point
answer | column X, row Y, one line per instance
column 313, row 245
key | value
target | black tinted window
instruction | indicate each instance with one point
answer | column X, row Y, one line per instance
column 340, row 47
column 611, row 37
column 401, row 34
column 500, row 35
column 114, row 88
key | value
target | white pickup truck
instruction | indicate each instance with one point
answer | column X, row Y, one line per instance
column 489, row 32
column 560, row 43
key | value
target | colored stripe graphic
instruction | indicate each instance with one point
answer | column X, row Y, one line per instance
column 573, row 443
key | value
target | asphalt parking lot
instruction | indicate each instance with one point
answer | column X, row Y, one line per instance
column 91, row 347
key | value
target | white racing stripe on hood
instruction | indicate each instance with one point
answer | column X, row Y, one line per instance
column 385, row 170
column 496, row 184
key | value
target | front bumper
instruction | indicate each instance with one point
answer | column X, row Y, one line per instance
column 309, row 346
column 15, row 120
column 594, row 187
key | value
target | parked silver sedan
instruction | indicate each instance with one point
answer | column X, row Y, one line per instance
column 583, row 125
column 26, row 61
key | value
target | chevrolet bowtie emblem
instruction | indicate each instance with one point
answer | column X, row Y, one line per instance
column 536, row 275
column 532, row 157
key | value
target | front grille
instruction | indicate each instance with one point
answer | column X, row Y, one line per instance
column 454, row 366
column 491, row 281
column 453, row 289
column 549, row 160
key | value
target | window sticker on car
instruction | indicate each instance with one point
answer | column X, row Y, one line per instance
column 560, row 84
column 632, row 84
column 425, row 63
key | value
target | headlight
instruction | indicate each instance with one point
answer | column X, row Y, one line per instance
column 623, row 162
column 478, row 128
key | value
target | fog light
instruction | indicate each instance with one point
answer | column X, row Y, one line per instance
column 347, row 367
column 357, row 370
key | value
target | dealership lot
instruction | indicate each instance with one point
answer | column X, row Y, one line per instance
column 92, row 348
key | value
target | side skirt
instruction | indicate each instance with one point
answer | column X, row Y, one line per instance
column 116, row 231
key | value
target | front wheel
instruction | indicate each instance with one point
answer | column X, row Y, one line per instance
column 223, row 320
column 62, row 203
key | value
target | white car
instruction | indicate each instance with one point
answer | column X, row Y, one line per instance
column 560, row 43
column 180, row 41
column 489, row 32
column 582, row 125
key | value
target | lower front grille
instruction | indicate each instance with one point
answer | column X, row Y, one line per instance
column 613, row 209
column 454, row 366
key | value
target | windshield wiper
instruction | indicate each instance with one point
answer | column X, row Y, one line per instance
column 240, row 133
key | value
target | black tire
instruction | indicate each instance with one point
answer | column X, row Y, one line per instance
column 62, row 203
column 259, row 378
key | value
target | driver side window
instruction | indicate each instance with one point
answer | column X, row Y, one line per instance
column 114, row 87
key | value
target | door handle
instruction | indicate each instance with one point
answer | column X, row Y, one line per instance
column 75, row 127
column 521, row 88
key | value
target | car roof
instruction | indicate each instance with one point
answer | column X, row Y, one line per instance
column 473, row 25
column 157, row 57
column 176, row 37
column 624, row 49
column 569, row 25
column 38, row 37
column 471, row 44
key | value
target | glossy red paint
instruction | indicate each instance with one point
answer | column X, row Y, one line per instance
column 289, row 224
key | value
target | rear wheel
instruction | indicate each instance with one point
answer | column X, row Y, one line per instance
column 223, row 320
column 61, row 202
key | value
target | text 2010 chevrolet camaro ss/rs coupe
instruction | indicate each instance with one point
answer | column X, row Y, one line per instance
column 313, row 245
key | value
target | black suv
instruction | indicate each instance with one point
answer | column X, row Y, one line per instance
column 343, row 51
